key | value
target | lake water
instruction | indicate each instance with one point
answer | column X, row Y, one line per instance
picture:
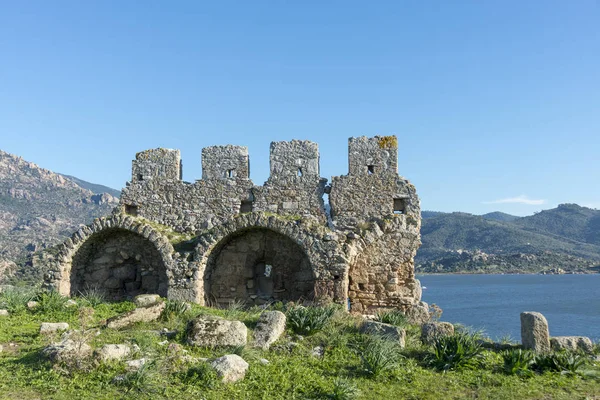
column 570, row 303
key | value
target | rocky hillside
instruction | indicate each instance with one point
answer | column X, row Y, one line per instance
column 566, row 238
column 39, row 208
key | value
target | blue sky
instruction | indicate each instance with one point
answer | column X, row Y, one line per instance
column 496, row 104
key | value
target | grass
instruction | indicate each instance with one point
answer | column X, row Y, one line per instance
column 353, row 366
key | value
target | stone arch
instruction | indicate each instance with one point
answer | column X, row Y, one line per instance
column 312, row 269
column 119, row 255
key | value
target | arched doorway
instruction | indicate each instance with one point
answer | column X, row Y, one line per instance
column 118, row 263
column 257, row 266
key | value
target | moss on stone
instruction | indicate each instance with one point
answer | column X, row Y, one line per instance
column 388, row 142
column 174, row 237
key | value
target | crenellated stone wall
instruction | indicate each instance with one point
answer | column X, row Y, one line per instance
column 231, row 240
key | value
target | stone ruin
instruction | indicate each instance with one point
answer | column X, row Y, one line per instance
column 222, row 238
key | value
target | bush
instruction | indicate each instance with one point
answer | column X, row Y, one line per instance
column 392, row 317
column 377, row 354
column 50, row 301
column 343, row 389
column 92, row 296
column 456, row 352
column 16, row 299
column 308, row 320
column 202, row 375
column 563, row 362
column 174, row 308
column 518, row 362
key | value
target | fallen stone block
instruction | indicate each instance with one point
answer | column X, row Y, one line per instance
column 230, row 368
column 269, row 328
column 209, row 331
column 144, row 300
column 110, row 352
column 52, row 327
column 135, row 365
column 67, row 350
column 4, row 313
column 572, row 343
column 141, row 314
column 385, row 330
column 432, row 330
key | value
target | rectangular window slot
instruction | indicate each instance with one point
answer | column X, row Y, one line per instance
column 230, row 173
column 131, row 210
column 370, row 169
column 299, row 171
column 140, row 177
column 399, row 206
column 246, row 206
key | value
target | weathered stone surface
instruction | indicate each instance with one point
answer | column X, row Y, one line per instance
column 534, row 332
column 144, row 300
column 141, row 314
column 418, row 313
column 32, row 305
column 67, row 350
column 208, row 331
column 386, row 330
column 110, row 352
column 230, row 368
column 135, row 365
column 52, row 327
column 572, row 343
column 4, row 313
column 432, row 330
column 269, row 328
column 1, row 348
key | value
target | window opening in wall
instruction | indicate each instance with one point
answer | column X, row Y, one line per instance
column 370, row 169
column 131, row 210
column 246, row 206
column 140, row 177
column 230, row 173
column 399, row 206
column 299, row 171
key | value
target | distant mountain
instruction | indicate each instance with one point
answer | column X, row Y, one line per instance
column 500, row 216
column 39, row 208
column 431, row 214
column 567, row 236
column 93, row 187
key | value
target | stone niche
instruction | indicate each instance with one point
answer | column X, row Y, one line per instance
column 119, row 263
column 258, row 266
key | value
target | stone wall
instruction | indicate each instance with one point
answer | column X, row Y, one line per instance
column 227, row 230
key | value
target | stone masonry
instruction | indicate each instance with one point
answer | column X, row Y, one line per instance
column 222, row 238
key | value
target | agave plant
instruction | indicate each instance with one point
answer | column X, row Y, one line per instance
column 462, row 350
column 308, row 320
column 518, row 362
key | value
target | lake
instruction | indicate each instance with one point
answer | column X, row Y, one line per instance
column 570, row 303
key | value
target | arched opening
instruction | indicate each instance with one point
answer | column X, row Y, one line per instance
column 258, row 266
column 120, row 264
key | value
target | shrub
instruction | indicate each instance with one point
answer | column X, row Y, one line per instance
column 377, row 354
column 175, row 308
column 456, row 352
column 50, row 301
column 202, row 375
column 518, row 362
column 92, row 296
column 308, row 320
column 563, row 362
column 392, row 317
column 16, row 299
column 343, row 389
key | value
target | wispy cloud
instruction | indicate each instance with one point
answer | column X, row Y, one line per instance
column 522, row 199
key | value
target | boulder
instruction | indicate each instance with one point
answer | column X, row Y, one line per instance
column 230, row 368
column 144, row 300
column 110, row 352
column 417, row 314
column 534, row 332
column 32, row 305
column 1, row 348
column 572, row 343
column 135, row 365
column 67, row 350
column 4, row 313
column 433, row 330
column 70, row 303
column 52, row 327
column 269, row 328
column 386, row 330
column 141, row 314
column 209, row 331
